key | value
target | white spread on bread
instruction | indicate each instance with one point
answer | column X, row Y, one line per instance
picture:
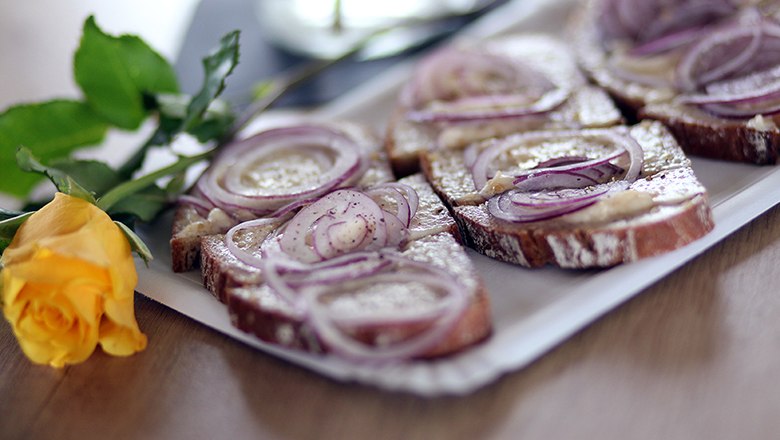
column 217, row 222
column 615, row 206
column 760, row 123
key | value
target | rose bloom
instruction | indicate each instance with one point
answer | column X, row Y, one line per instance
column 67, row 284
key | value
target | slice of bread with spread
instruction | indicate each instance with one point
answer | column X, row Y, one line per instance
column 709, row 71
column 479, row 90
column 342, row 261
column 578, row 199
column 384, row 315
column 197, row 216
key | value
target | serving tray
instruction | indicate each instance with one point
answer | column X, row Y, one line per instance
column 552, row 304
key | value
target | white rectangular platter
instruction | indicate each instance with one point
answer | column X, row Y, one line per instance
column 552, row 304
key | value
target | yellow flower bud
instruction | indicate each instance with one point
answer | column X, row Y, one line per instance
column 67, row 284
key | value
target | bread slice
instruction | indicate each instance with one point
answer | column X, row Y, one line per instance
column 191, row 224
column 753, row 139
column 586, row 106
column 664, row 209
column 433, row 239
column 221, row 269
column 257, row 310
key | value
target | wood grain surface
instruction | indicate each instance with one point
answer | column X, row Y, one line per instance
column 695, row 356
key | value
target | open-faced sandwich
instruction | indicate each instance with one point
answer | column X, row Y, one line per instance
column 534, row 163
column 708, row 69
column 577, row 199
column 324, row 252
column 479, row 90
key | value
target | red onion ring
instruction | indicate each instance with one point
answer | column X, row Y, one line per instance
column 332, row 327
column 561, row 185
column 720, row 52
column 222, row 184
column 517, row 206
column 304, row 286
column 406, row 199
column 464, row 84
column 307, row 237
column 249, row 258
column 623, row 142
column 286, row 276
column 201, row 205
column 668, row 42
column 741, row 86
column 642, row 21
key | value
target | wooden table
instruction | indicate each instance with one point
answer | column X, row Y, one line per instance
column 695, row 356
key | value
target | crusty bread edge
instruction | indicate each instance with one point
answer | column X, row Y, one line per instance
column 580, row 247
column 472, row 327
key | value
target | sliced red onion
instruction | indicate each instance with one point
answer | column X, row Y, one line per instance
column 334, row 328
column 201, row 205
column 560, row 185
column 405, row 197
column 669, row 42
column 743, row 111
column 337, row 155
column 341, row 222
column 336, row 270
column 482, row 168
column 686, row 15
column 486, row 109
column 641, row 21
column 725, row 50
column 249, row 258
column 730, row 65
column 465, row 84
column 286, row 276
column 305, row 287
column 523, row 207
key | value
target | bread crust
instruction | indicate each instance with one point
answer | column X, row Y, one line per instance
column 579, row 247
column 703, row 135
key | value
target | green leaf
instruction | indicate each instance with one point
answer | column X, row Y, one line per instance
column 202, row 116
column 136, row 244
column 8, row 228
column 217, row 65
column 143, row 205
column 215, row 121
column 116, row 72
column 50, row 130
column 96, row 177
column 63, row 182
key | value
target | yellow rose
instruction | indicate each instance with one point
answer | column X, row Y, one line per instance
column 67, row 284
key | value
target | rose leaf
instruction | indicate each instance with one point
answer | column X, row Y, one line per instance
column 50, row 130
column 116, row 72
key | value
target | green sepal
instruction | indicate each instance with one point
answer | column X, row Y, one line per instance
column 95, row 176
column 63, row 182
column 136, row 244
